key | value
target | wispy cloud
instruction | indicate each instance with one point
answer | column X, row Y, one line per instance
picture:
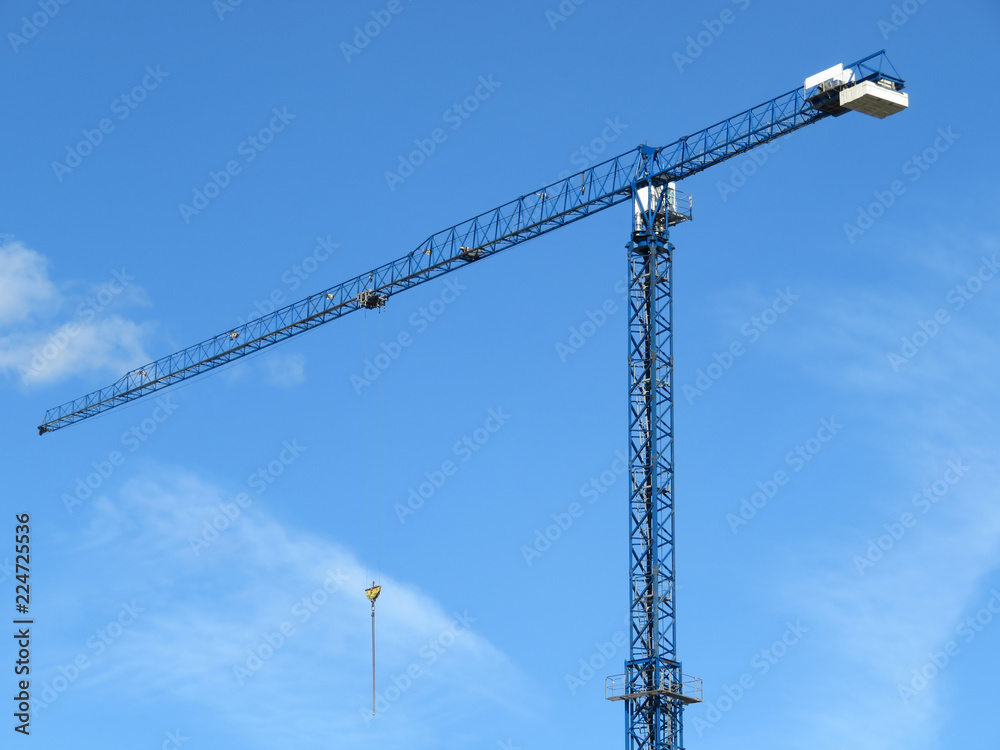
column 54, row 331
column 24, row 283
column 900, row 339
column 275, row 368
column 269, row 626
column 113, row 344
column 877, row 629
column 285, row 369
column 872, row 629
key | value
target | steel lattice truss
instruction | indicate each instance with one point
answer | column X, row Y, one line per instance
column 654, row 719
column 563, row 202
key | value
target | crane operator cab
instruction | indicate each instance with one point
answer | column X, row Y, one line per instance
column 672, row 206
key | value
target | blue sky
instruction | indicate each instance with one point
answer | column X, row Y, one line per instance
column 170, row 172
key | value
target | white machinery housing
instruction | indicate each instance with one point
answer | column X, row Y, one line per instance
column 675, row 208
column 833, row 90
column 876, row 98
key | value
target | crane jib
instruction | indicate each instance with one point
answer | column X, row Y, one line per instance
column 869, row 85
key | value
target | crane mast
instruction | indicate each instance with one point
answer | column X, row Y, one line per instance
column 652, row 683
column 653, row 686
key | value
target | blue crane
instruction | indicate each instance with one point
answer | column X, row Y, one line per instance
column 653, row 686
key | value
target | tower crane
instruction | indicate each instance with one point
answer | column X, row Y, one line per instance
column 653, row 686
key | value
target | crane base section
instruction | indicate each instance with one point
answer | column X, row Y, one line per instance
column 688, row 690
column 874, row 99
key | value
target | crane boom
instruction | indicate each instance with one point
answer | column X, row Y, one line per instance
column 562, row 202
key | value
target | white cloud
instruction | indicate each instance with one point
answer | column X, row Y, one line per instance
column 880, row 626
column 110, row 344
column 24, row 283
column 92, row 337
column 845, row 338
column 871, row 631
column 225, row 606
column 877, row 628
column 284, row 369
